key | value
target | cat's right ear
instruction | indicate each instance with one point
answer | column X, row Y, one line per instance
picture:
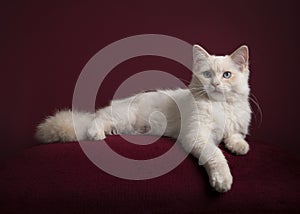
column 199, row 54
column 241, row 57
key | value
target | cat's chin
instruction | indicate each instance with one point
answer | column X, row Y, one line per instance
column 217, row 96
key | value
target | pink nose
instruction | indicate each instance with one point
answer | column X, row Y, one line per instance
column 216, row 84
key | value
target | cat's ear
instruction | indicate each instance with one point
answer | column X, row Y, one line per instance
column 241, row 57
column 199, row 54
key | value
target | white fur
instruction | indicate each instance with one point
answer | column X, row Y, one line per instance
column 212, row 110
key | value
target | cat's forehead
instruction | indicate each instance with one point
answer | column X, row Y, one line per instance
column 220, row 63
column 219, row 60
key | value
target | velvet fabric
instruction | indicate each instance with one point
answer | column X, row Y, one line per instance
column 59, row 178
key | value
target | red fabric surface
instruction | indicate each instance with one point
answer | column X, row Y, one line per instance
column 59, row 178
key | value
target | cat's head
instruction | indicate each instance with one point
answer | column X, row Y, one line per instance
column 220, row 77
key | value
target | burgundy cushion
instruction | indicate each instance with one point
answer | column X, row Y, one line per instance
column 59, row 178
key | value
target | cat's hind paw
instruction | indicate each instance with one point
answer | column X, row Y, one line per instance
column 95, row 132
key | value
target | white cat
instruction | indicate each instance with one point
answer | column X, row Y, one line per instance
column 215, row 108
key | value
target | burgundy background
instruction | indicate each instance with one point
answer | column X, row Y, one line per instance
column 45, row 44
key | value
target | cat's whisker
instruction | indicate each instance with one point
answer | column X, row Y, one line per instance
column 198, row 91
column 253, row 99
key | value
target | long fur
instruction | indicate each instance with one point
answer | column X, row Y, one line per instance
column 213, row 109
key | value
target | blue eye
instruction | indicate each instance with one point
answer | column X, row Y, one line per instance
column 207, row 74
column 227, row 74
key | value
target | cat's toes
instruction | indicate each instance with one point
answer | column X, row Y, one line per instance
column 221, row 180
column 240, row 147
column 142, row 129
column 94, row 133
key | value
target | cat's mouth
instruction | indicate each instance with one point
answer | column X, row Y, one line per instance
column 217, row 90
column 217, row 95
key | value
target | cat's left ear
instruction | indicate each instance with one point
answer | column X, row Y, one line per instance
column 199, row 54
column 241, row 57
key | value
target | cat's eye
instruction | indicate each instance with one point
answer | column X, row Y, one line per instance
column 227, row 74
column 207, row 74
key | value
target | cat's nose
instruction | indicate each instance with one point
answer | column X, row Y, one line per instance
column 216, row 84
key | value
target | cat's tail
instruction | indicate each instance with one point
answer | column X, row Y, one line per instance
column 60, row 127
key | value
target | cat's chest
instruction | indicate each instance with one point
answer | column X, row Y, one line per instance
column 225, row 118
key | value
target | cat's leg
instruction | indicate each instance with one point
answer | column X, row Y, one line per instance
column 115, row 119
column 236, row 144
column 219, row 172
column 99, row 128
column 215, row 164
column 202, row 144
column 141, row 126
column 153, row 113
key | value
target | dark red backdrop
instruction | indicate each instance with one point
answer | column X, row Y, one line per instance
column 45, row 44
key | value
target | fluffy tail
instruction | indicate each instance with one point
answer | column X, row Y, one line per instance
column 60, row 127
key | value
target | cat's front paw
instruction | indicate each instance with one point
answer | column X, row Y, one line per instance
column 236, row 144
column 220, row 178
column 95, row 132
column 240, row 147
column 221, row 182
